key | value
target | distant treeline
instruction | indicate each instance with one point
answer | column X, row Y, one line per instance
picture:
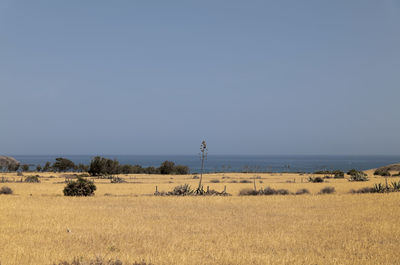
column 102, row 166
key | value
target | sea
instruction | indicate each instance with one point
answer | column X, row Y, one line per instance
column 235, row 163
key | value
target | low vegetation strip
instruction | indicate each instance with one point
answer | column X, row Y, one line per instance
column 99, row 261
column 186, row 190
column 380, row 188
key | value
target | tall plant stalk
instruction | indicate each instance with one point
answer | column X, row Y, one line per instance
column 203, row 157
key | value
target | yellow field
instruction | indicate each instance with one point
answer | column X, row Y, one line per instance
column 122, row 222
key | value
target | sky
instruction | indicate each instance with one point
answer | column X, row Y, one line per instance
column 158, row 77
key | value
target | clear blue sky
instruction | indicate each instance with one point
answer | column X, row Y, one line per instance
column 157, row 77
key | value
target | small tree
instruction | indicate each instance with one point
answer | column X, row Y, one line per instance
column 82, row 167
column 181, row 170
column 38, row 168
column 47, row 167
column 167, row 167
column 25, row 167
column 63, row 164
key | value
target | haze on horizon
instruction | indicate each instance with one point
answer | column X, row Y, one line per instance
column 249, row 77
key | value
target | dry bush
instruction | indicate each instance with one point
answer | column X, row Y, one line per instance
column 315, row 179
column 302, row 191
column 266, row 191
column 245, row 181
column 81, row 187
column 6, row 190
column 186, row 190
column 117, row 180
column 248, row 191
column 98, row 261
column 327, row 190
column 358, row 176
column 32, row 179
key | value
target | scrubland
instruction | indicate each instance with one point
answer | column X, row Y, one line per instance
column 38, row 225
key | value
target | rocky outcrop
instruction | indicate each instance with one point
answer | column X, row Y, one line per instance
column 5, row 161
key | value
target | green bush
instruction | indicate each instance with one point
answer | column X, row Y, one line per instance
column 6, row 190
column 354, row 172
column 384, row 172
column 80, row 187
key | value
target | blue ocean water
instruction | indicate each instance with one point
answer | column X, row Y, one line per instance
column 236, row 163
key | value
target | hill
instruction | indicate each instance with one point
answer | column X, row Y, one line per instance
column 7, row 160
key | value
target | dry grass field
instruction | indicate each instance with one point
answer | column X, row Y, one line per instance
column 38, row 225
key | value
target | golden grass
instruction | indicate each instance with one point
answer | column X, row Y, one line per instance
column 307, row 229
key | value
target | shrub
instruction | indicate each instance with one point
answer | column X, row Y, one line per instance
column 358, row 176
column 282, row 192
column 248, row 191
column 315, row 179
column 182, row 190
column 396, row 186
column 6, row 190
column 245, row 181
column 384, row 172
column 32, row 179
column 266, row 191
column 379, row 188
column 215, row 181
column 185, row 190
column 327, row 190
column 80, row 187
column 302, row 191
column 322, row 172
column 354, row 172
column 338, row 174
column 365, row 190
column 195, row 177
column 117, row 180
